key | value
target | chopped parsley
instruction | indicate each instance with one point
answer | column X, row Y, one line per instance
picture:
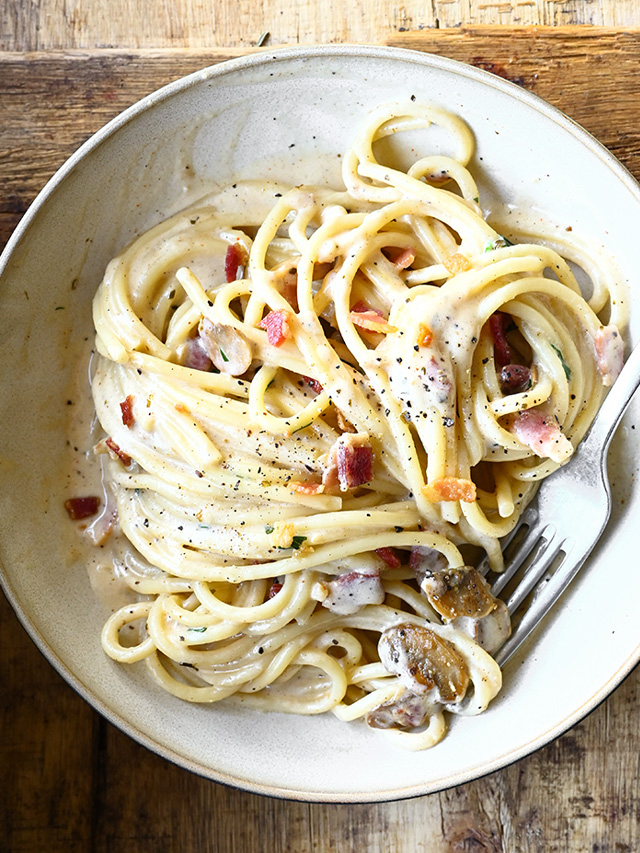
column 565, row 366
column 296, row 542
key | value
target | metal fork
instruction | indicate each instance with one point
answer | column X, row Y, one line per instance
column 565, row 521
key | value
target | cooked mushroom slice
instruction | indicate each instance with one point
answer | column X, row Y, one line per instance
column 424, row 662
column 463, row 598
column 227, row 348
column 459, row 592
column 491, row 631
column 407, row 712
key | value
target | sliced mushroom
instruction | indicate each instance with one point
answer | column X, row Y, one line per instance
column 463, row 598
column 424, row 662
column 407, row 712
column 227, row 348
column 489, row 632
column 458, row 592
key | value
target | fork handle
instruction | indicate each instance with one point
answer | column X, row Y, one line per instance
column 615, row 405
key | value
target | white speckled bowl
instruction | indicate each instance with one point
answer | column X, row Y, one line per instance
column 220, row 122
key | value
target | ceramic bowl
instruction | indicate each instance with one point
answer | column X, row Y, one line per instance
column 236, row 120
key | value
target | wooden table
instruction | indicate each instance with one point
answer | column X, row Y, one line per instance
column 69, row 781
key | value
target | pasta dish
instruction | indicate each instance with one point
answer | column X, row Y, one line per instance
column 321, row 407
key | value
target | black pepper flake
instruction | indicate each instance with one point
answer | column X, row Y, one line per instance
column 398, row 529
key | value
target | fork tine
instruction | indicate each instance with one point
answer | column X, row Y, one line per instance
column 544, row 558
column 533, row 535
column 545, row 598
column 527, row 519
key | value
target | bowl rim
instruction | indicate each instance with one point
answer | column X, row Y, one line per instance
column 219, row 70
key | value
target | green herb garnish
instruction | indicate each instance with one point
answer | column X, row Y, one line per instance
column 223, row 354
column 268, row 528
column 296, row 542
column 197, row 630
column 565, row 366
column 500, row 243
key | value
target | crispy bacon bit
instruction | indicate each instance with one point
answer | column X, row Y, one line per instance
column 399, row 257
column 274, row 589
column 350, row 462
column 277, row 325
column 313, row 384
column 424, row 662
column 541, row 432
column 283, row 535
column 372, row 321
column 425, row 336
column 307, row 488
column 126, row 407
column 609, row 353
column 438, row 381
column 390, row 557
column 514, row 378
column 85, row 507
column 450, row 489
column 234, row 259
column 194, row 355
column 349, row 592
column 498, row 325
column 117, row 453
column 456, row 263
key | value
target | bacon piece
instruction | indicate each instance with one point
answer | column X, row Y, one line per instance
column 498, row 326
column 370, row 319
column 456, row 263
column 349, row 592
column 514, row 378
column 450, row 489
column 399, row 257
column 609, row 353
column 542, row 433
column 84, row 507
column 126, row 407
column 234, row 259
column 307, row 488
column 274, row 589
column 313, row 384
column 437, row 381
column 425, row 336
column 117, row 453
column 424, row 662
column 194, row 354
column 277, row 325
column 390, row 557
column 350, row 462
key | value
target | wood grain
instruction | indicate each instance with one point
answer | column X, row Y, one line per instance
column 69, row 780
column 63, row 24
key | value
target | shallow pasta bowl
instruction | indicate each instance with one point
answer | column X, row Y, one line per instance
column 290, row 115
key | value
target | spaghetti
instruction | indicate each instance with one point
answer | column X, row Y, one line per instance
column 318, row 415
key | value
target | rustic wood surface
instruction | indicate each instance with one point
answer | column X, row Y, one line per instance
column 69, row 781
